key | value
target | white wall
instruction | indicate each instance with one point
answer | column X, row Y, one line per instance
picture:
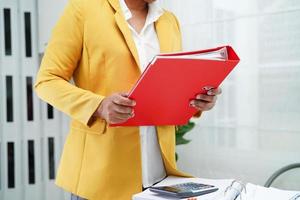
column 254, row 129
column 48, row 14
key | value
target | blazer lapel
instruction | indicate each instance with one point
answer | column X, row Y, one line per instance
column 164, row 33
column 123, row 26
column 162, row 26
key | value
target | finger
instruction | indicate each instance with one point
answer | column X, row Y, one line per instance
column 208, row 88
column 124, row 94
column 124, row 101
column 215, row 91
column 207, row 98
column 202, row 105
column 123, row 109
column 117, row 121
column 113, row 116
column 124, row 116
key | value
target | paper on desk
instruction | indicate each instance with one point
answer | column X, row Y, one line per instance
column 256, row 192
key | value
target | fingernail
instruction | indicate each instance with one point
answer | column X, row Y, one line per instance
column 210, row 92
column 133, row 103
column 198, row 96
column 207, row 88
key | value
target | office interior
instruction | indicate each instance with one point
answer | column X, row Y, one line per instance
column 253, row 131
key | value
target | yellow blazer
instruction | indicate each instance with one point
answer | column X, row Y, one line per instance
column 92, row 44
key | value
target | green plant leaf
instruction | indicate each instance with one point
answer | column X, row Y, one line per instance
column 181, row 140
column 185, row 128
column 180, row 132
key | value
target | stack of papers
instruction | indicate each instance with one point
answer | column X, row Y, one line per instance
column 220, row 54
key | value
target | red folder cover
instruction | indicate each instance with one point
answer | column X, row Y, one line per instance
column 165, row 88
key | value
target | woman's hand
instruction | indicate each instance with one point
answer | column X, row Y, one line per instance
column 204, row 102
column 116, row 108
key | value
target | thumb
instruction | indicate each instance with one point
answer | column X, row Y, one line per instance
column 123, row 94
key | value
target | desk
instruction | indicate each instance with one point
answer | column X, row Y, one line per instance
column 254, row 192
column 221, row 184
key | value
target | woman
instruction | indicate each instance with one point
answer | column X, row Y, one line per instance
column 104, row 45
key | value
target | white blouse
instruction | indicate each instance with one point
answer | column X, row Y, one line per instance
column 147, row 45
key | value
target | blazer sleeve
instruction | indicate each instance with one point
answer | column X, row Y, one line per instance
column 58, row 64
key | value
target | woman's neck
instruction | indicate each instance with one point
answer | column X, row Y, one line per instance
column 137, row 5
column 139, row 11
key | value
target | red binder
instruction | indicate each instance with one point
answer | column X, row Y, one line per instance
column 165, row 88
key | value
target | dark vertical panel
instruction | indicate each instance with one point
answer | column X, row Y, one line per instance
column 41, row 162
column 50, row 112
column 31, row 166
column 10, row 165
column 7, row 31
column 27, row 24
column 9, row 99
column 29, row 98
column 51, row 158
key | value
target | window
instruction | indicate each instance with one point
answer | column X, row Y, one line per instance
column 31, row 166
column 9, row 99
column 51, row 159
column 258, row 114
column 29, row 98
column 10, row 165
column 7, row 32
column 27, row 24
column 50, row 113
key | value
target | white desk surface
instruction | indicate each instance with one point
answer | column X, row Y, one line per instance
column 254, row 192
column 221, row 184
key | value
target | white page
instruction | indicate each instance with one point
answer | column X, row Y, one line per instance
column 263, row 193
column 235, row 191
column 220, row 54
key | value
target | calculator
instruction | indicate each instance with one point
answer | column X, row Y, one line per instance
column 184, row 190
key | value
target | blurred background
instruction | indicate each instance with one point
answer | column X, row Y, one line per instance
column 253, row 131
